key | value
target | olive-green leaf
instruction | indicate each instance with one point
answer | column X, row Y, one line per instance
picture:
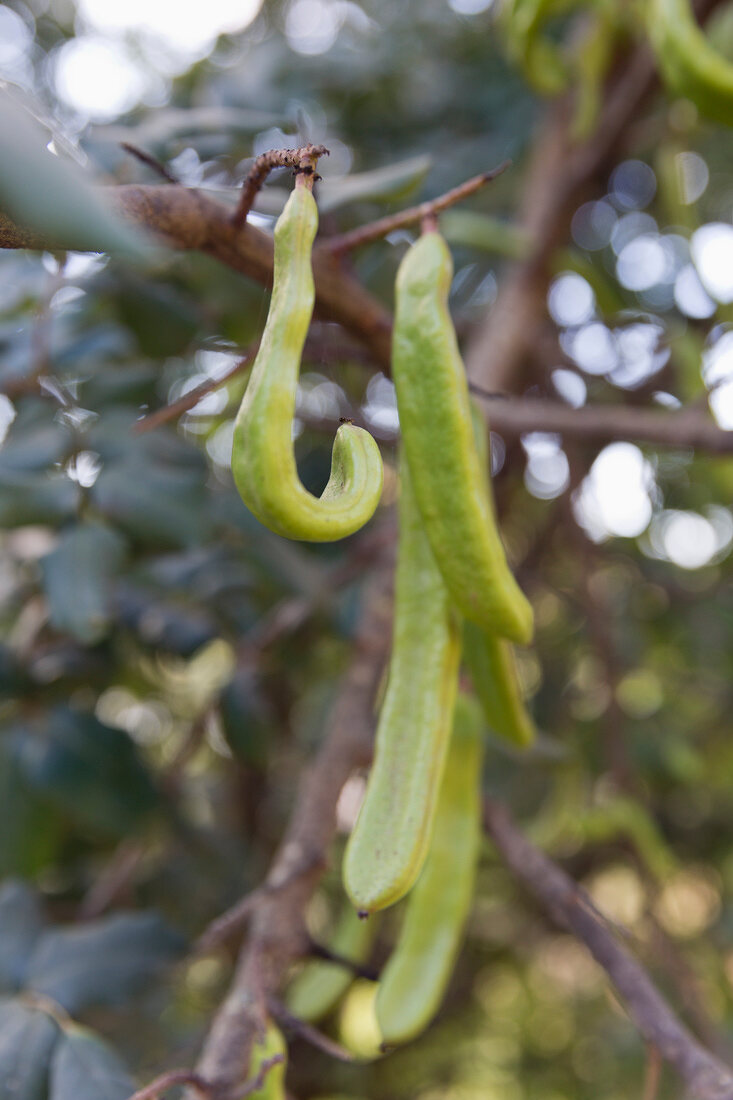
column 90, row 772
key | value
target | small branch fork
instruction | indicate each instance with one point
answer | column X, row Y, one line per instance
column 208, row 1089
column 705, row 1076
column 303, row 160
column 426, row 213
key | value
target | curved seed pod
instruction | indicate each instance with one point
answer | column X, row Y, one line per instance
column 273, row 1086
column 389, row 842
column 491, row 660
column 263, row 462
column 415, row 978
column 690, row 66
column 321, row 984
column 435, row 417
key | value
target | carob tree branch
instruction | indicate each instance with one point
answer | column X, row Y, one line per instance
column 373, row 231
column 689, row 427
column 277, row 933
column 301, row 159
column 705, row 1076
column 184, row 218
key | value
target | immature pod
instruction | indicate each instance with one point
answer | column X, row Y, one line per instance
column 414, row 980
column 690, row 66
column 493, row 667
column 491, row 660
column 435, row 417
column 263, row 461
column 389, row 842
column 273, row 1085
column 321, row 984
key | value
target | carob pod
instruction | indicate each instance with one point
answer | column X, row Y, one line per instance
column 415, row 978
column 263, row 461
column 389, row 842
column 435, row 417
column 321, row 984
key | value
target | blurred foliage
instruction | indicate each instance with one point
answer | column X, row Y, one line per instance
column 167, row 665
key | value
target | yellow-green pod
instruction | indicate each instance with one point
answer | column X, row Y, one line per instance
column 690, row 66
column 435, row 418
column 414, row 980
column 263, row 461
column 273, row 1086
column 389, row 842
column 321, row 984
column 491, row 660
column 493, row 667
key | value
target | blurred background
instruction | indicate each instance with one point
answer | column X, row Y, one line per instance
column 167, row 665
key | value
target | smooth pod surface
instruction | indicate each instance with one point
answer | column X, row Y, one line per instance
column 321, row 984
column 263, row 461
column 389, row 842
column 414, row 980
column 435, row 418
column 493, row 667
column 491, row 660
column 690, row 66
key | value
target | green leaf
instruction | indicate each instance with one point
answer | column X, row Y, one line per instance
column 245, row 718
column 27, row 1040
column 162, row 319
column 394, row 182
column 31, row 833
column 21, row 923
column 89, row 771
column 77, row 579
column 51, row 195
column 36, row 498
column 34, row 446
column 83, row 1067
column 102, row 962
column 153, row 505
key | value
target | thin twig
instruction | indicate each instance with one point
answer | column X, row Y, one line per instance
column 113, row 881
column 234, row 918
column 706, row 1077
column 307, row 1032
column 344, row 242
column 168, row 1080
column 258, row 1081
column 652, row 1073
column 277, row 934
column 192, row 397
column 300, row 159
column 320, row 951
column 148, row 159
